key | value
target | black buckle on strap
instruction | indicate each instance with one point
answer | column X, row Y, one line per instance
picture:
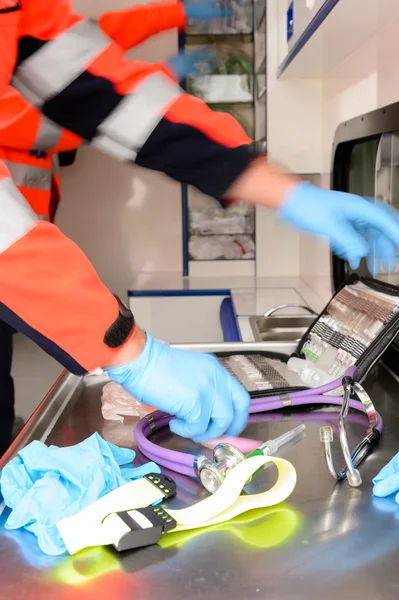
column 147, row 525
column 163, row 483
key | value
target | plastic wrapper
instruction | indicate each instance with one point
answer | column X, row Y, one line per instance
column 211, row 220
column 117, row 403
column 257, row 373
column 240, row 19
column 223, row 88
column 219, row 247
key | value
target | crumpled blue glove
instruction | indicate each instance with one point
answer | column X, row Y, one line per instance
column 355, row 227
column 192, row 386
column 206, row 9
column 387, row 480
column 43, row 485
column 190, row 64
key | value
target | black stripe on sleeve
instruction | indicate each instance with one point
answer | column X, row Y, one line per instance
column 189, row 156
column 83, row 105
column 181, row 151
column 27, row 46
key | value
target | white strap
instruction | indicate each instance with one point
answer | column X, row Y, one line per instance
column 95, row 525
column 227, row 502
column 84, row 529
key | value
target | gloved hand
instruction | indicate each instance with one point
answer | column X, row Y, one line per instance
column 383, row 252
column 387, row 480
column 204, row 10
column 355, row 227
column 206, row 400
column 190, row 64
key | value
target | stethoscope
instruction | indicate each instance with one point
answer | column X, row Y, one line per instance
column 227, row 456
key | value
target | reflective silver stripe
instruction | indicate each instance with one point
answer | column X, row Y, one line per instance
column 42, row 218
column 16, row 216
column 114, row 149
column 132, row 122
column 28, row 176
column 59, row 62
column 26, row 92
column 48, row 135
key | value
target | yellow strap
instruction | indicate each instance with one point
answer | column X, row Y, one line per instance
column 259, row 528
column 227, row 502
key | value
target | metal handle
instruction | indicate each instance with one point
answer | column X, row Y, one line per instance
column 351, row 472
column 271, row 312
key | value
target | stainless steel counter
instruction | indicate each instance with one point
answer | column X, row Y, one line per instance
column 327, row 541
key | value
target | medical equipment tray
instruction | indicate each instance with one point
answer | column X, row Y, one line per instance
column 355, row 329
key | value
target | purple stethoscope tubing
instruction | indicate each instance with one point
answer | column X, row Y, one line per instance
column 181, row 462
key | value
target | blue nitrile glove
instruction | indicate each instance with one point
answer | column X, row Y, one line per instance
column 43, row 485
column 383, row 252
column 190, row 64
column 387, row 480
column 355, row 227
column 205, row 10
column 192, row 386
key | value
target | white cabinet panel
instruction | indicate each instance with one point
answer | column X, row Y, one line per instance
column 304, row 13
column 179, row 319
column 258, row 301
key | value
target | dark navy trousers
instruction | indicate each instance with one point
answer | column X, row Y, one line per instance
column 6, row 387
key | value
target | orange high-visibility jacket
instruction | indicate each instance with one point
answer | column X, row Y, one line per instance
column 51, row 292
column 29, row 141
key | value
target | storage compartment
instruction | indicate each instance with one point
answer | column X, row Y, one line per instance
column 233, row 83
column 286, row 327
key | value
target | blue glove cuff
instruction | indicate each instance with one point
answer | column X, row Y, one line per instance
column 136, row 367
column 293, row 198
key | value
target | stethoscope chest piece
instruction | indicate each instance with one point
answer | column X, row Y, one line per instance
column 212, row 474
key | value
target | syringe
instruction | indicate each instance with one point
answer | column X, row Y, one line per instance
column 270, row 447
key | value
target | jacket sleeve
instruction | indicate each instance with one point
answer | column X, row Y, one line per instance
column 10, row 15
column 49, row 290
column 130, row 27
column 131, row 110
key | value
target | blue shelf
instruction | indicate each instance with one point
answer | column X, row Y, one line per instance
column 177, row 293
column 228, row 321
